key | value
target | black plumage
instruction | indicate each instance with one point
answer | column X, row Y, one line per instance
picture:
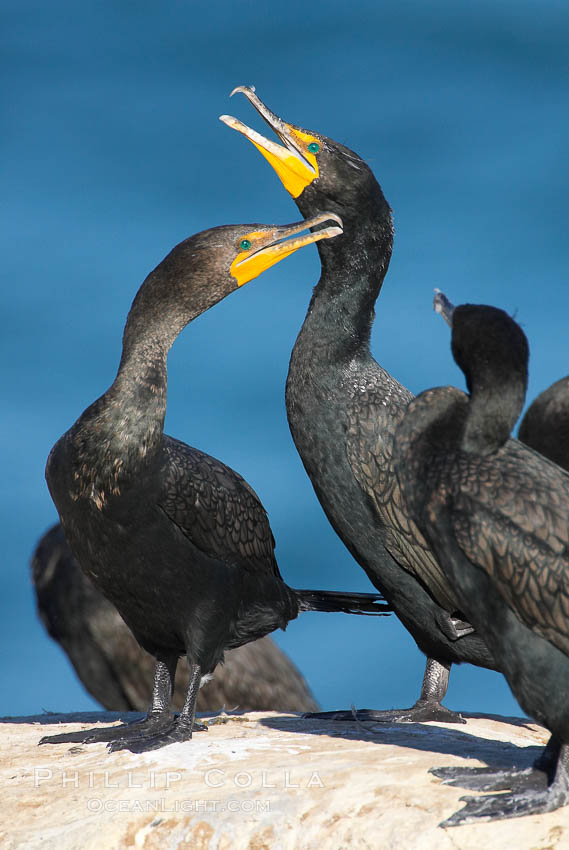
column 496, row 514
column 176, row 540
column 545, row 426
column 118, row 673
column 343, row 407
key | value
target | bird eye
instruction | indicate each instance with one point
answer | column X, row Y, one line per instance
column 313, row 147
column 244, row 244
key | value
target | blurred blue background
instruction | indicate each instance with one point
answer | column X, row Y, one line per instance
column 112, row 153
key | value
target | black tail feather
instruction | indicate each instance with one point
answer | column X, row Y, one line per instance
column 371, row 604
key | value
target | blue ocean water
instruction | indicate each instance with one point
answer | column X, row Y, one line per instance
column 112, row 152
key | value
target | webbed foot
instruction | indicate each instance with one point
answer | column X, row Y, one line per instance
column 422, row 712
column 502, row 806
column 153, row 722
column 530, row 792
column 491, row 778
column 175, row 733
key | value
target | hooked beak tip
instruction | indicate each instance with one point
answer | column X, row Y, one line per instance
column 243, row 90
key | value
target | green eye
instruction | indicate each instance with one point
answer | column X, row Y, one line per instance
column 244, row 244
column 313, row 147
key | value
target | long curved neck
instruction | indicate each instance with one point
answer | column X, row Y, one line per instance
column 492, row 413
column 137, row 397
column 492, row 351
column 142, row 377
column 122, row 431
column 354, row 265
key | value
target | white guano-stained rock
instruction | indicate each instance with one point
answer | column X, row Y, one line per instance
column 262, row 781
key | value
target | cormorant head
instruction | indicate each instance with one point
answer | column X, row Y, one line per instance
column 317, row 171
column 489, row 346
column 206, row 267
column 493, row 352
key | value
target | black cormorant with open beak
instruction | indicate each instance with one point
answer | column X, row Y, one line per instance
column 343, row 407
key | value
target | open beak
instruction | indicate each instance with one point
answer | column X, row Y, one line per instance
column 270, row 246
column 295, row 165
column 442, row 305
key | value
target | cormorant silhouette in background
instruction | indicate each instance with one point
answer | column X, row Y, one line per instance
column 118, row 673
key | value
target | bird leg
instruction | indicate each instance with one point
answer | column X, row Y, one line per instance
column 528, row 798
column 157, row 717
column 428, row 706
column 176, row 730
column 433, row 690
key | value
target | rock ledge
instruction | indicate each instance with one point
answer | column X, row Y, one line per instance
column 262, row 781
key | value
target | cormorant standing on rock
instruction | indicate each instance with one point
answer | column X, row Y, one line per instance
column 343, row 407
column 177, row 541
column 118, row 673
column 496, row 514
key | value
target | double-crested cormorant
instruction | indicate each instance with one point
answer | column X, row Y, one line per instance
column 545, row 425
column 118, row 673
column 343, row 407
column 177, row 541
column 496, row 513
